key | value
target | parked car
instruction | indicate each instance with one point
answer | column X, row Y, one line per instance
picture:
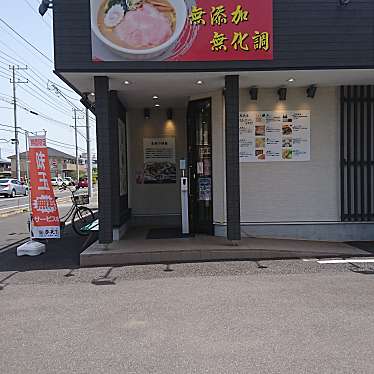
column 83, row 183
column 12, row 187
column 69, row 181
column 57, row 182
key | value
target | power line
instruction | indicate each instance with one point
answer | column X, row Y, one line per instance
column 9, row 56
column 46, row 94
column 5, row 77
column 29, row 109
column 7, row 61
column 9, row 99
column 26, row 41
column 10, row 49
column 51, row 140
column 22, row 61
column 65, row 89
column 35, row 71
column 34, row 10
column 53, row 87
column 25, row 48
column 44, row 101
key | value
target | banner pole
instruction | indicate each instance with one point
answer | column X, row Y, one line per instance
column 28, row 182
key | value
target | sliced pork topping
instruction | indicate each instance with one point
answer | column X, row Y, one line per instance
column 145, row 27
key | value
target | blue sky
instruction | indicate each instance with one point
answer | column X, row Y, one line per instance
column 55, row 112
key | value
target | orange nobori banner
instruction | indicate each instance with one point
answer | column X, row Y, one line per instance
column 45, row 217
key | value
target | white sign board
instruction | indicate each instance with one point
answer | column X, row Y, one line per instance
column 159, row 161
column 274, row 136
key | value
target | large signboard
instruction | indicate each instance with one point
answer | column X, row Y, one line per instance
column 159, row 161
column 181, row 30
column 274, row 136
column 45, row 217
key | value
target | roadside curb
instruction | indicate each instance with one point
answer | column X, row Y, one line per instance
column 14, row 212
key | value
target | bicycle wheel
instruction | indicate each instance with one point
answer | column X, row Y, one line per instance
column 82, row 217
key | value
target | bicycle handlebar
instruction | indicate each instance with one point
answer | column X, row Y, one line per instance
column 65, row 187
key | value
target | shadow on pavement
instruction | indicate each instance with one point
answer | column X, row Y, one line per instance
column 354, row 268
column 61, row 254
column 364, row 272
column 365, row 246
column 65, row 254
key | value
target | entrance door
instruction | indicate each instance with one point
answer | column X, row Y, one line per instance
column 199, row 135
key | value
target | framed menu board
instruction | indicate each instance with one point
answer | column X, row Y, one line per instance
column 159, row 161
column 274, row 136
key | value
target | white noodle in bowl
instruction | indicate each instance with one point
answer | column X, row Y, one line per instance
column 180, row 10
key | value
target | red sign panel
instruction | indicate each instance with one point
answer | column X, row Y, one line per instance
column 182, row 30
column 45, row 217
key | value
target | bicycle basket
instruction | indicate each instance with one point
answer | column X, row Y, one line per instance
column 82, row 199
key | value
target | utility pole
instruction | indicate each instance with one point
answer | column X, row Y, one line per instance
column 75, row 110
column 16, row 140
column 89, row 159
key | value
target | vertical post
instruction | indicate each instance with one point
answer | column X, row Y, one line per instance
column 104, row 157
column 232, row 157
column 369, row 156
column 76, row 145
column 343, row 121
column 28, row 181
column 349, row 156
column 16, row 141
column 89, row 160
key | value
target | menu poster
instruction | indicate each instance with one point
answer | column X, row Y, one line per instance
column 274, row 136
column 159, row 161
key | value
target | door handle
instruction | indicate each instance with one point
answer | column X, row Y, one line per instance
column 189, row 180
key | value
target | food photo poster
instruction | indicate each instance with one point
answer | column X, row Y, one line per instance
column 274, row 136
column 159, row 161
column 181, row 30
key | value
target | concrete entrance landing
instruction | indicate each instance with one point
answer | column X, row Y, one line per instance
column 136, row 249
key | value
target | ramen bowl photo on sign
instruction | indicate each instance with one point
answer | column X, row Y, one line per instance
column 138, row 29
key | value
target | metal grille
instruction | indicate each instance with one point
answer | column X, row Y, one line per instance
column 357, row 153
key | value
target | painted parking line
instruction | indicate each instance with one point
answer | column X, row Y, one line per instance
column 310, row 259
column 348, row 261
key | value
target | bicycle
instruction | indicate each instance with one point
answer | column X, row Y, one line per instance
column 81, row 215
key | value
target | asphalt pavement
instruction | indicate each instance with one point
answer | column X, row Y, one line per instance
column 7, row 203
column 276, row 317
column 17, row 202
column 248, row 317
column 13, row 227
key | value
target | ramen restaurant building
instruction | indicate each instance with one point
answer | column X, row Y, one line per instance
column 269, row 102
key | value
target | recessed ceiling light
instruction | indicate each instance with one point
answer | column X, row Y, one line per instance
column 291, row 80
column 199, row 82
column 92, row 93
column 155, row 97
column 126, row 83
column 157, row 105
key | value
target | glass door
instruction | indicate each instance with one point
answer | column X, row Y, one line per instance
column 199, row 135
